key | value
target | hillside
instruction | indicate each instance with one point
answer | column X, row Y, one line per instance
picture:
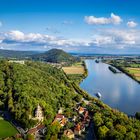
column 23, row 87
column 55, row 56
column 15, row 54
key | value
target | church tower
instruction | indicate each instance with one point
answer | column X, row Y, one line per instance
column 39, row 113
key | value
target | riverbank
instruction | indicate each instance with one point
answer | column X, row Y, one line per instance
column 110, row 123
column 130, row 68
column 77, row 72
column 126, row 72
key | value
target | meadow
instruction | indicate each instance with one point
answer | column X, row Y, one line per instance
column 74, row 70
column 6, row 129
column 134, row 72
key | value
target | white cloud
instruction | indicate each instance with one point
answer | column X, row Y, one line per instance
column 114, row 19
column 102, row 38
column 14, row 35
column 117, row 38
column 36, row 39
column 131, row 24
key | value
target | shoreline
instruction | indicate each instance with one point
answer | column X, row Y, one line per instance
column 125, row 72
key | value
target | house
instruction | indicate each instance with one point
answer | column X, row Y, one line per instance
column 85, row 115
column 36, row 129
column 32, row 131
column 41, row 128
column 61, row 119
column 39, row 113
column 81, row 110
column 17, row 61
column 63, row 122
column 69, row 133
column 77, row 130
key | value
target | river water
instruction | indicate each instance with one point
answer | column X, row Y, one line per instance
column 118, row 90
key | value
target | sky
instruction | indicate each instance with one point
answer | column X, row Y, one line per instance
column 84, row 26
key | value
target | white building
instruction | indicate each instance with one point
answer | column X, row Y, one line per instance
column 17, row 61
column 39, row 113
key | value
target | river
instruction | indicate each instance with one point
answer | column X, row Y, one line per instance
column 118, row 90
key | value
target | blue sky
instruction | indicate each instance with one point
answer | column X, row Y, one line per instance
column 91, row 26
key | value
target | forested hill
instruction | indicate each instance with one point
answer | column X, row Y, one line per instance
column 23, row 87
column 53, row 56
column 16, row 54
column 56, row 56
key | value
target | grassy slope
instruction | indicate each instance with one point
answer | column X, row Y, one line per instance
column 77, row 72
column 6, row 129
column 135, row 72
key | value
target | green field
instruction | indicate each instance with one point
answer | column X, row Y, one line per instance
column 6, row 129
column 135, row 72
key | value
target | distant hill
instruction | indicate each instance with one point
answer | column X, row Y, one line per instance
column 55, row 56
column 15, row 54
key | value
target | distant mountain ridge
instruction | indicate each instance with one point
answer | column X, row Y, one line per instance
column 53, row 55
column 16, row 54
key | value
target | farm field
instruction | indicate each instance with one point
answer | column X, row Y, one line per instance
column 74, row 70
column 6, row 129
column 135, row 72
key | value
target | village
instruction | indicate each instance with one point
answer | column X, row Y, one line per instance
column 80, row 122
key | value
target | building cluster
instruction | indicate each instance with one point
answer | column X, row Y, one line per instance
column 81, row 122
column 17, row 61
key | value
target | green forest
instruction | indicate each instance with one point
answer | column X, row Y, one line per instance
column 24, row 86
column 56, row 56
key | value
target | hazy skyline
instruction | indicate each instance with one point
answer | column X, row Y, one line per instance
column 90, row 26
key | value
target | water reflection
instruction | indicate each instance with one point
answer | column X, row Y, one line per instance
column 118, row 90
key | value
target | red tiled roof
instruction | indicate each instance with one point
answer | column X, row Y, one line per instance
column 31, row 131
column 85, row 114
column 81, row 109
column 77, row 128
column 59, row 116
column 63, row 121
column 41, row 126
column 18, row 135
